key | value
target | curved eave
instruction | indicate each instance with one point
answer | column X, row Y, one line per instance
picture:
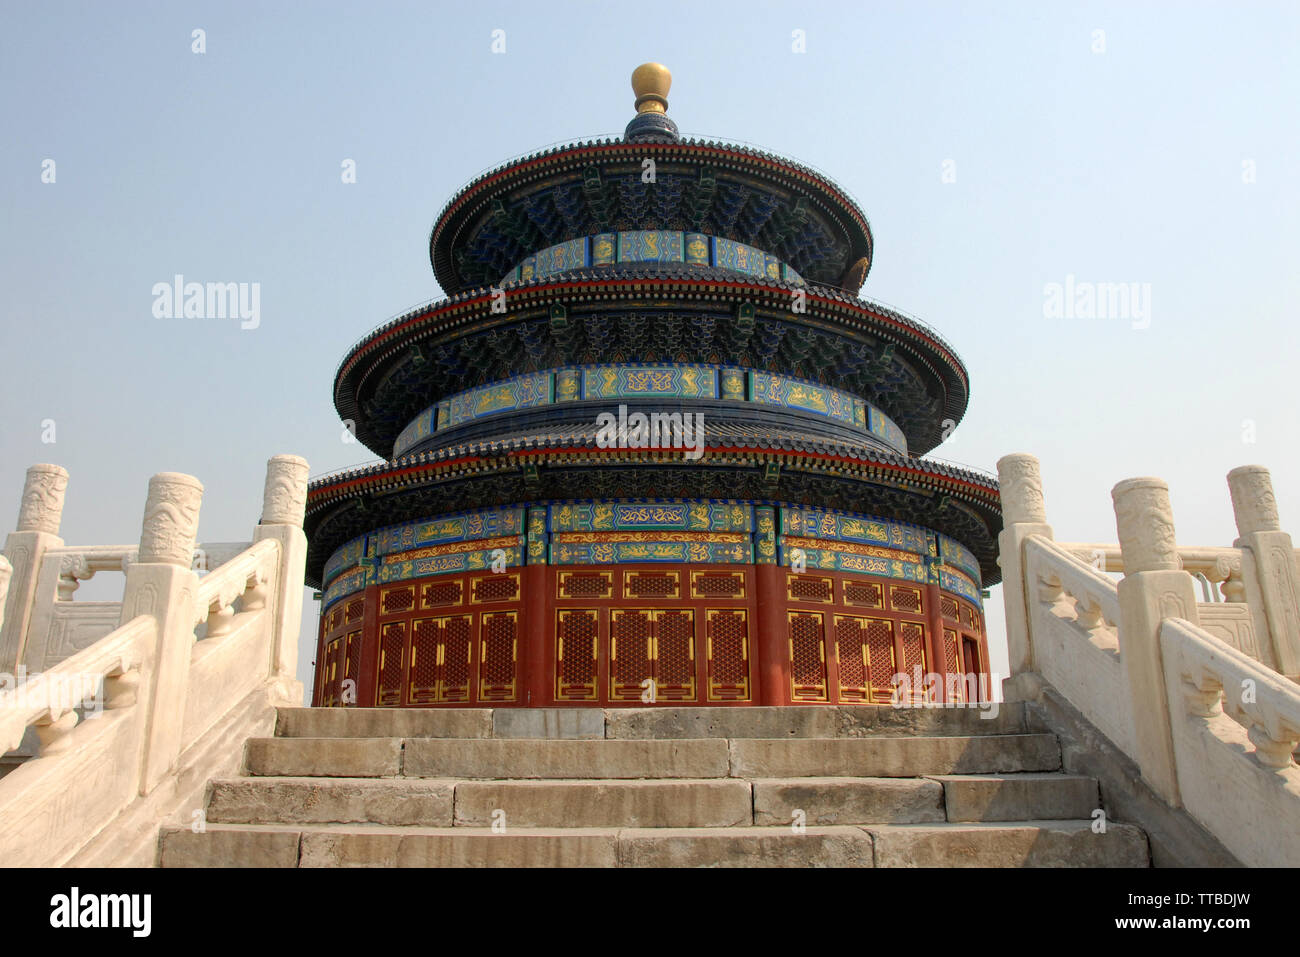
column 475, row 305
column 470, row 201
column 828, row 459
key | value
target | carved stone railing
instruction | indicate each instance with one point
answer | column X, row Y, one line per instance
column 58, row 625
column 1232, row 605
column 1235, row 727
column 49, row 702
column 1212, row 728
column 132, row 727
column 1074, row 620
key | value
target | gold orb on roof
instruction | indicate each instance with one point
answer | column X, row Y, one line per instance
column 650, row 83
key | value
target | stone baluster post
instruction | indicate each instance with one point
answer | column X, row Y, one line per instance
column 1154, row 587
column 284, row 503
column 37, row 531
column 160, row 583
column 1273, row 554
column 1023, row 514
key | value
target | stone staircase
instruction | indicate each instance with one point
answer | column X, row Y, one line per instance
column 797, row 787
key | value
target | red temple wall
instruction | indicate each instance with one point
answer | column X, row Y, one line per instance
column 611, row 635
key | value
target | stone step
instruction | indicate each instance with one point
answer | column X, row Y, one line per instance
column 493, row 758
column 314, row 800
column 810, row 721
column 1019, row 797
column 1019, row 844
column 503, row 758
column 829, row 801
column 251, row 845
column 708, row 802
column 484, row 758
column 324, row 757
column 714, row 802
column 893, row 757
column 1025, row 844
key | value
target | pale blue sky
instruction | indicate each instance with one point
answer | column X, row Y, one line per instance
column 1117, row 166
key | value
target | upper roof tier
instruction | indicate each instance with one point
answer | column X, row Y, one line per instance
column 650, row 179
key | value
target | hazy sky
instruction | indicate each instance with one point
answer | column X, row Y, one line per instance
column 996, row 149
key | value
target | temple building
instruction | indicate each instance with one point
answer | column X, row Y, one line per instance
column 652, row 449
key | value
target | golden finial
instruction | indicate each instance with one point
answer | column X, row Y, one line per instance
column 650, row 83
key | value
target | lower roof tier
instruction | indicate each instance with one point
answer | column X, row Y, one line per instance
column 544, row 470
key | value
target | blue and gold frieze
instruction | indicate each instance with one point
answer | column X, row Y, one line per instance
column 420, row 427
column 957, row 582
column 765, row 535
column 650, row 246
column 537, row 536
column 836, row 560
column 647, row 530
column 467, row 526
column 732, row 383
column 843, row 526
column 563, row 257
column 616, row 552
column 521, row 392
column 697, row 249
column 623, row 381
column 474, row 559
column 746, row 260
column 653, row 245
column 344, row 557
column 957, row 555
column 883, row 426
column 659, row 516
column 626, row 380
column 346, row 584
column 770, row 389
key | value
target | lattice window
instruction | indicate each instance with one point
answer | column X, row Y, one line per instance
column 652, row 585
column 394, row 600
column 495, row 588
column 905, row 599
column 971, row 648
column 457, row 649
column 948, row 607
column 863, row 594
column 803, row 588
column 586, row 585
column 441, row 593
column 498, row 656
column 352, row 666
column 423, row 670
column 330, row 681
column 728, row 654
column 355, row 609
column 851, row 655
column 674, row 649
column 952, row 661
column 880, row 657
column 717, row 585
column 576, row 633
column 912, row 639
column 630, row 652
column 807, row 656
column 392, row 644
